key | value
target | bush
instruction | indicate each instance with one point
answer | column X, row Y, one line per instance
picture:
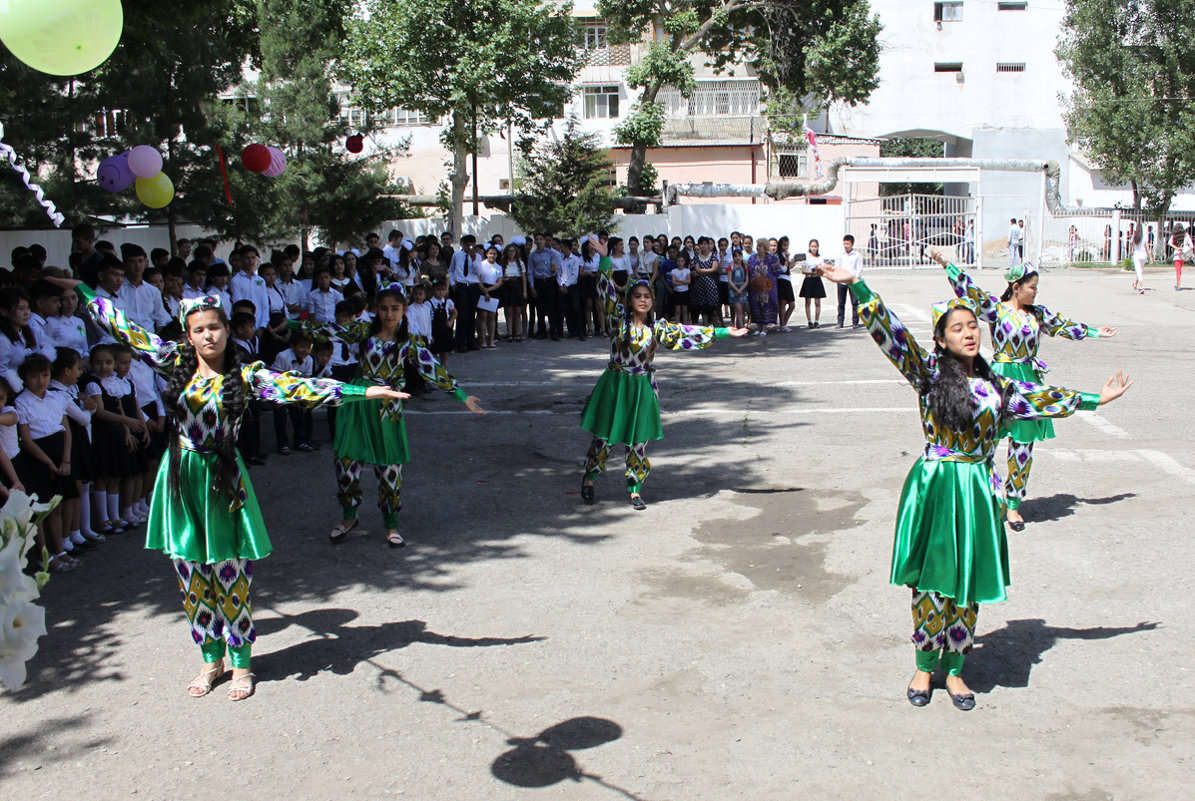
column 1127, row 264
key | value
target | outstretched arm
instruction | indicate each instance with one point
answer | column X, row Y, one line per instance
column 1033, row 401
column 1056, row 324
column 268, row 385
column 986, row 306
column 431, row 369
column 606, row 288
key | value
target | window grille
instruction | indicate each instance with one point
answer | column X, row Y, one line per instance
column 713, row 99
column 1009, row 66
column 601, row 102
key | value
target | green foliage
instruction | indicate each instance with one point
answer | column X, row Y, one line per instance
column 662, row 64
column 645, row 124
column 566, row 186
column 648, row 178
column 1134, row 75
column 914, row 148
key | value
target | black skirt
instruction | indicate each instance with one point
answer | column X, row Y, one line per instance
column 785, row 290
column 588, row 284
column 82, row 468
column 139, row 457
column 43, row 483
column 512, row 292
column 812, row 287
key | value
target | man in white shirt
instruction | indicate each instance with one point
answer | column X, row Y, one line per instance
column 1014, row 243
column 321, row 302
column 390, row 252
column 570, row 294
column 462, row 273
column 248, row 285
column 852, row 260
column 138, row 299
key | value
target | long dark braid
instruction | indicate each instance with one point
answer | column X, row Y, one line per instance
column 948, row 395
column 232, row 401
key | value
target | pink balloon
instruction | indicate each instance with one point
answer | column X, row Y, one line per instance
column 145, row 161
column 277, row 163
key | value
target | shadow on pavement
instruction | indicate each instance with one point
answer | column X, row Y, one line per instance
column 1005, row 657
column 1056, row 507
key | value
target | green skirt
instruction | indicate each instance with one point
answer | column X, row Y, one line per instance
column 1024, row 430
column 363, row 435
column 950, row 533
column 196, row 525
column 623, row 408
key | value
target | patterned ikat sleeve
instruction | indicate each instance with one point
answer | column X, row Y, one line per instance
column 1057, row 325
column 987, row 308
column 607, row 291
column 158, row 353
column 890, row 334
column 431, row 369
column 1032, row 401
column 686, row 337
column 352, row 334
column 265, row 384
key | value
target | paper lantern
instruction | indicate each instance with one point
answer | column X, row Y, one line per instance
column 155, row 192
column 114, row 174
column 145, row 161
column 355, row 143
column 256, row 158
column 277, row 163
column 61, row 37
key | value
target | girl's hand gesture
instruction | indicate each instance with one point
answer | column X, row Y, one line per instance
column 737, row 332
column 1107, row 331
column 65, row 283
column 474, row 405
column 63, row 469
column 385, row 393
column 839, row 275
column 937, row 255
column 136, row 426
column 1117, row 385
column 598, row 246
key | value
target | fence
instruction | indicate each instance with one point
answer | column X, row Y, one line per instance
column 901, row 230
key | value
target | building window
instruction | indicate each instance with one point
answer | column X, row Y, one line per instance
column 405, row 118
column 1010, row 66
column 948, row 66
column 948, row 11
column 713, row 99
column 1021, row 6
column 601, row 102
column 594, row 36
column 792, row 163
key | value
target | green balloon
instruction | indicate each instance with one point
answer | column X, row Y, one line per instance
column 155, row 192
column 61, row 37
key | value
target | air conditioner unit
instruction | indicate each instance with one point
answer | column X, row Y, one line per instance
column 959, row 76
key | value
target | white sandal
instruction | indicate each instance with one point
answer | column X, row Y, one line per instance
column 204, row 681
column 337, row 535
column 241, row 684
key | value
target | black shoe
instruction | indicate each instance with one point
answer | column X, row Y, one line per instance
column 1016, row 525
column 305, row 447
column 587, row 493
column 919, row 697
column 555, row 338
column 284, row 451
column 637, row 503
column 582, row 337
column 254, row 461
column 395, row 540
column 964, row 701
column 475, row 346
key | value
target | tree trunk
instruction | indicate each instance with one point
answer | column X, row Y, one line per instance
column 639, row 149
column 171, row 231
column 460, row 171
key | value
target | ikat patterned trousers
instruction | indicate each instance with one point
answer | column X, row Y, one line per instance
column 638, row 465
column 939, row 624
column 1020, row 462
column 216, row 600
column 348, row 487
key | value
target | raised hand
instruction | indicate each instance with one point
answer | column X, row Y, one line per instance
column 937, row 255
column 839, row 275
column 598, row 245
column 1117, row 385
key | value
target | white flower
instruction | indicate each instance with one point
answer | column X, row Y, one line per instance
column 14, row 584
column 22, row 622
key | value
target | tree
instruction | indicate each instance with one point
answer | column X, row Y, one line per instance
column 566, row 186
column 1131, row 110
column 483, row 65
column 825, row 49
column 915, row 148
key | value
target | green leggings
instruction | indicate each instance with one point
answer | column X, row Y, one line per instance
column 951, row 661
column 213, row 651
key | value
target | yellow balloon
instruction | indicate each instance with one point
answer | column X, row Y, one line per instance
column 155, row 192
column 61, row 37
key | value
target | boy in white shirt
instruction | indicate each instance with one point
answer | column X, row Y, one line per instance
column 295, row 359
column 853, row 261
column 322, row 300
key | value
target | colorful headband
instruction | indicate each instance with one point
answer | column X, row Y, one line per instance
column 1018, row 272
column 188, row 306
column 939, row 310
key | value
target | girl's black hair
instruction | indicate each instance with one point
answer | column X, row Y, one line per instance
column 34, row 363
column 1015, row 285
column 624, row 345
column 10, row 296
column 948, row 394
column 232, row 399
column 400, row 333
column 65, row 359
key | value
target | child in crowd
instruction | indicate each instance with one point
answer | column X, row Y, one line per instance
column 218, row 277
column 443, row 321
column 682, row 276
column 65, row 330
column 737, row 290
column 322, row 300
column 66, row 371
column 249, row 343
column 134, row 506
column 46, row 443
column 46, row 303
column 295, row 359
column 10, row 447
column 114, row 440
column 342, row 365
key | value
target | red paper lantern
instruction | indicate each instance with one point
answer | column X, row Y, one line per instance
column 355, row 143
column 256, row 158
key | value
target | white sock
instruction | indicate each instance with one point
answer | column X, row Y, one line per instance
column 142, row 508
column 77, row 537
column 99, row 501
column 127, row 514
column 114, row 506
column 85, row 513
column 67, row 546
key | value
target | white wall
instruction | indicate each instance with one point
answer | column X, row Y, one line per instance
column 58, row 242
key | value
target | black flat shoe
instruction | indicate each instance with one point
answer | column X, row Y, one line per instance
column 1018, row 525
column 395, row 540
column 918, row 698
column 637, row 503
column 587, row 493
column 965, row 701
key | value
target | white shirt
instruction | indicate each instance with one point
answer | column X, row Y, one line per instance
column 678, row 275
column 37, row 324
column 145, row 386
column 852, row 261
column 253, row 289
column 42, row 415
column 419, row 319
column 390, row 253
column 488, row 274
column 67, row 332
column 13, row 355
column 289, row 362
column 1014, row 234
column 725, row 260
column 322, row 305
column 343, row 353
column 173, row 306
column 113, row 385
column 620, row 263
column 647, row 262
column 8, row 436
column 73, row 410
column 456, row 268
column 277, row 299
column 570, row 270
column 295, row 294
column 142, row 305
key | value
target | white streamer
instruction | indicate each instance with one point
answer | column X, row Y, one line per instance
column 47, row 204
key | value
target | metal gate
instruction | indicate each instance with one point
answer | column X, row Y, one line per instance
column 901, row 230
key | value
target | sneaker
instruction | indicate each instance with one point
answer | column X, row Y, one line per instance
column 785, row 329
column 284, row 451
column 304, row 447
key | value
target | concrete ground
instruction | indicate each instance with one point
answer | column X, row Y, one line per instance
column 739, row 639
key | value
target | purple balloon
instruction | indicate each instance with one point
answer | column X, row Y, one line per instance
column 114, row 173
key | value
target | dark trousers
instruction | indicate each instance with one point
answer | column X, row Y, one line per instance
column 343, row 373
column 570, row 303
column 300, row 418
column 547, row 304
column 843, row 292
column 464, row 297
column 249, row 438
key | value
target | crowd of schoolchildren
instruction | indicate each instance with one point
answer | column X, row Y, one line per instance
column 81, row 418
